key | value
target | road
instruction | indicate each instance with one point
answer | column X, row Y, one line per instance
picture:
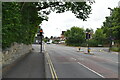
column 68, row 63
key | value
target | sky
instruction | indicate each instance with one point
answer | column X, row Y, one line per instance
column 59, row 22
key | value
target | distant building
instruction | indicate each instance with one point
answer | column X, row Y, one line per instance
column 62, row 37
column 56, row 38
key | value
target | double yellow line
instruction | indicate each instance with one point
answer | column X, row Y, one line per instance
column 52, row 70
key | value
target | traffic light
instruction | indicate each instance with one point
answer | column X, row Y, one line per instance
column 41, row 32
column 88, row 35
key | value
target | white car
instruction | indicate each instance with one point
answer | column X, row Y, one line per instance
column 48, row 42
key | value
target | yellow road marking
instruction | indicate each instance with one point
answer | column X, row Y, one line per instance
column 52, row 70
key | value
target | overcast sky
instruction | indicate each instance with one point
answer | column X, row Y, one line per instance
column 63, row 21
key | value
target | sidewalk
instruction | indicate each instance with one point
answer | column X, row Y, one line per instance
column 32, row 66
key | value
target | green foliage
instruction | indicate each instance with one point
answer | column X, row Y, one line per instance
column 18, row 25
column 111, row 26
column 99, row 36
column 93, row 43
column 89, row 30
column 80, row 9
column 45, row 40
column 75, row 36
column 11, row 23
column 20, row 20
column 117, row 49
column 56, row 41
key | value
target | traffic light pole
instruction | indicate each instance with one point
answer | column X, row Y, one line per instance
column 41, row 32
column 87, row 39
column 41, row 44
column 88, row 46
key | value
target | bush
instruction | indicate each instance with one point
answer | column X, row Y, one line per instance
column 93, row 43
column 116, row 49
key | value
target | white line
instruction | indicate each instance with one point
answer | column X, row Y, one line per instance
column 91, row 70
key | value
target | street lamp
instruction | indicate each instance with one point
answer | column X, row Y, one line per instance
column 110, row 37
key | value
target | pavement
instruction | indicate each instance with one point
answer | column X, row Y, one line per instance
column 32, row 66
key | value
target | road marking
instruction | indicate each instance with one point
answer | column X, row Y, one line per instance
column 52, row 70
column 50, row 66
column 92, row 70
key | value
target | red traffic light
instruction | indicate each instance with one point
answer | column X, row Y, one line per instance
column 41, row 30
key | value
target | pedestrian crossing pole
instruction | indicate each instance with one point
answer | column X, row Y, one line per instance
column 87, row 38
column 88, row 47
column 41, row 44
column 41, row 32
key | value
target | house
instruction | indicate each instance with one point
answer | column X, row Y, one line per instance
column 62, row 37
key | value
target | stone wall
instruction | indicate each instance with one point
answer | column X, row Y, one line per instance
column 14, row 52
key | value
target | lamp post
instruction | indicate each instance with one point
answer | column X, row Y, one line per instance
column 110, row 37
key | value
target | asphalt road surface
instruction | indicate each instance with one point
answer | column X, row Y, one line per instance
column 69, row 63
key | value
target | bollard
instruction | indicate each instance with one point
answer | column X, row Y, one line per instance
column 79, row 48
column 88, row 50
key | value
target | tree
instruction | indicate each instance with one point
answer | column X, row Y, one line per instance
column 80, row 9
column 19, row 20
column 89, row 30
column 111, row 26
column 23, row 18
column 75, row 36
column 11, row 23
column 99, row 36
column 51, row 37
